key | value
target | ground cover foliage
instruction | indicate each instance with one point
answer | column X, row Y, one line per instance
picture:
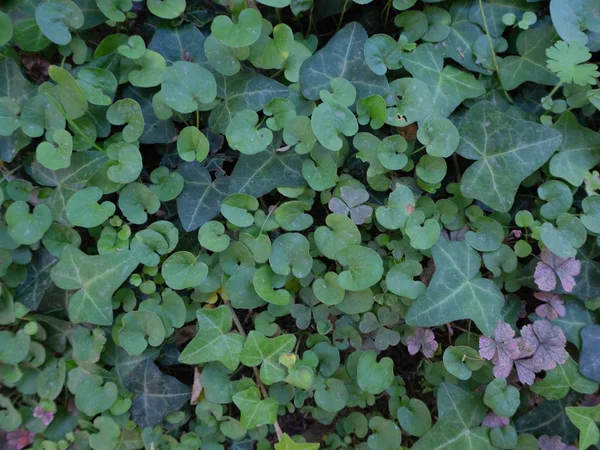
column 299, row 224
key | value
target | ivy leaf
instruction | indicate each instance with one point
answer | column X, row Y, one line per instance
column 578, row 152
column 456, row 277
column 501, row 164
column 330, row 62
column 260, row 350
column 585, row 418
column 530, row 65
column 557, row 382
column 213, row 341
column 460, row 413
column 96, row 278
column 448, row 85
column 549, row 418
column 157, row 395
column 552, row 266
column 566, row 60
column 255, row 412
column 286, row 443
column 589, row 362
column 242, row 92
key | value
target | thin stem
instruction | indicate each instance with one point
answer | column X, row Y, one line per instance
column 342, row 15
column 182, row 119
column 581, row 102
column 420, row 149
column 548, row 97
column 72, row 123
column 8, row 174
column 259, row 383
column 310, row 19
column 385, row 12
column 197, row 119
column 487, row 31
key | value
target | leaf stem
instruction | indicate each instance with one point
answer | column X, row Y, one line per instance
column 385, row 12
column 420, row 149
column 310, row 19
column 549, row 96
column 259, row 383
column 72, row 123
column 487, row 32
column 342, row 15
column 197, row 119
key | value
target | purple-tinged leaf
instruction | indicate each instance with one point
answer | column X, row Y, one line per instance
column 552, row 266
column 552, row 308
column 546, row 442
column 502, row 349
column 542, row 347
column 494, row 421
column 423, row 340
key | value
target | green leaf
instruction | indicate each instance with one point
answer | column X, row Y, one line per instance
column 255, row 412
column 243, row 92
column 372, row 376
column 400, row 205
column 457, row 291
column 331, row 394
column 167, row 185
column 157, row 395
column 557, row 382
column 578, row 152
column 213, row 341
column 340, row 233
column 182, row 270
column 286, row 443
column 186, row 86
column 135, row 326
column 566, row 60
column 503, row 399
column 259, row 349
column 573, row 17
column 127, row 111
column 382, row 52
column 461, row 361
column 108, row 434
column 166, row 9
column 291, row 254
column 585, row 418
column 564, row 239
column 212, row 236
column 126, row 163
column 95, row 278
column 26, row 227
column 363, row 267
column 439, row 136
column 329, row 121
column 501, row 164
column 460, row 414
column 386, row 436
column 243, row 135
column 291, row 217
column 235, row 209
column 449, row 86
column 83, row 209
column 92, row 394
column 68, row 93
column 414, row 417
column 192, row 144
column 56, row 18
column 6, row 27
column 241, row 34
column 14, row 346
column 342, row 57
column 135, row 200
column 530, row 65
column 98, row 85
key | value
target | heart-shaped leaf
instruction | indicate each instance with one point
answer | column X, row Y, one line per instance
column 56, row 155
column 182, row 270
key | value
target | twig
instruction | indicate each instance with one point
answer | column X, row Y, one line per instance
column 259, row 383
